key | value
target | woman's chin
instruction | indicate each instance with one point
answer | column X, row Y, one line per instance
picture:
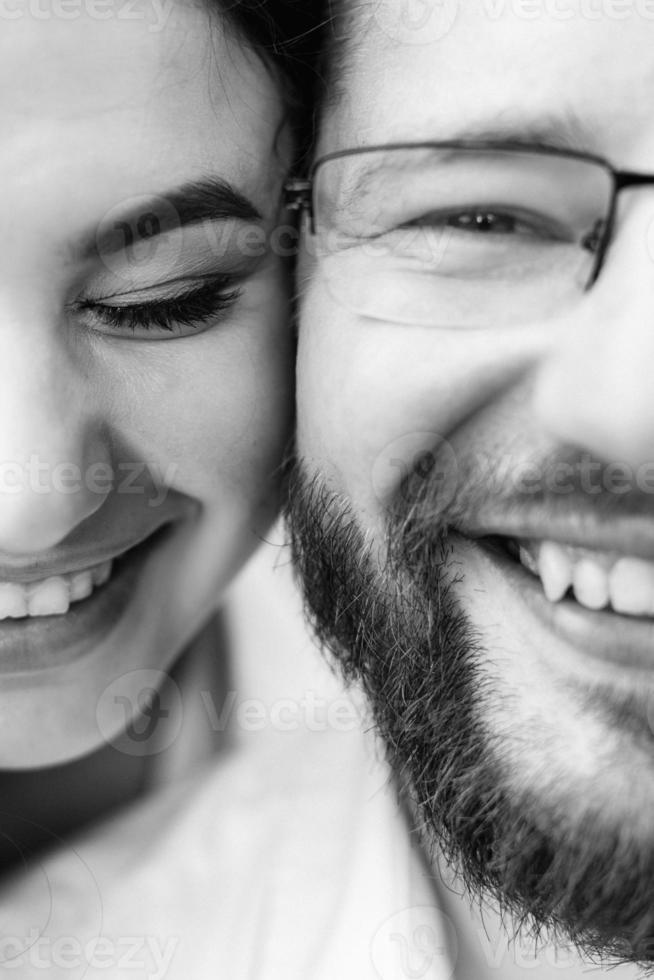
column 99, row 674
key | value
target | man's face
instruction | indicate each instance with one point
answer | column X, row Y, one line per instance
column 516, row 410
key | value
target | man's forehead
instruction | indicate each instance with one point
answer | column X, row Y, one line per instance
column 485, row 68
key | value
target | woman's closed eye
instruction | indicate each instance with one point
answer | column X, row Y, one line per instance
column 187, row 311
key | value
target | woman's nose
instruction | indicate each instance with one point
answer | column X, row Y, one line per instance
column 54, row 459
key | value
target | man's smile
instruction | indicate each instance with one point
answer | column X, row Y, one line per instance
column 599, row 603
column 596, row 579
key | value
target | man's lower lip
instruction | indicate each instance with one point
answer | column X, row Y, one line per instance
column 626, row 641
column 45, row 642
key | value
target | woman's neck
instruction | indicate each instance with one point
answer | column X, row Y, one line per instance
column 40, row 807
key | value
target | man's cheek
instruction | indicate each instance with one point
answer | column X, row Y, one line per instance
column 366, row 436
column 377, row 401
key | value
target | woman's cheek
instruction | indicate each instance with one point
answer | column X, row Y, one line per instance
column 209, row 414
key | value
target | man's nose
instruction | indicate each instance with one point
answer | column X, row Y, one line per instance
column 52, row 451
column 596, row 389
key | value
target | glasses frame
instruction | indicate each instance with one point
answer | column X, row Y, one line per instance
column 299, row 194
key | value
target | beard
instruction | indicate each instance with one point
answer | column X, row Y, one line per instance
column 392, row 621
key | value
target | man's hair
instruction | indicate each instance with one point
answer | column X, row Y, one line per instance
column 335, row 51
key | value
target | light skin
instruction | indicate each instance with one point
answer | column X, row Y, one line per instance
column 99, row 117
column 581, row 381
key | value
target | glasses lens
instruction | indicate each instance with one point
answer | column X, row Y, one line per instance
column 458, row 237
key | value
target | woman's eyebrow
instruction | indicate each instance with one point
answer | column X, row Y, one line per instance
column 206, row 199
column 210, row 199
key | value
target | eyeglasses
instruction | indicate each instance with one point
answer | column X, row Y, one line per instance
column 460, row 234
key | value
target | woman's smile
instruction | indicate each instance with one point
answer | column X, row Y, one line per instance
column 51, row 596
column 59, row 606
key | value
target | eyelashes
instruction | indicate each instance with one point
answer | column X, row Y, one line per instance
column 184, row 313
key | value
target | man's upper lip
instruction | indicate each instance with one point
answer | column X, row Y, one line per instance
column 623, row 536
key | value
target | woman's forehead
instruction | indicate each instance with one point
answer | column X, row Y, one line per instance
column 61, row 67
column 98, row 110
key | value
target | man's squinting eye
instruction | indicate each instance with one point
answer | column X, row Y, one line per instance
column 496, row 221
column 181, row 314
column 490, row 222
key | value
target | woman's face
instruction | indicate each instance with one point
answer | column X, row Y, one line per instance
column 145, row 351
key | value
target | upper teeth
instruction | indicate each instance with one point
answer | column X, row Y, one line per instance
column 597, row 578
column 51, row 596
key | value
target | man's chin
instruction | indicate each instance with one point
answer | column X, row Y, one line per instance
column 490, row 788
column 569, row 690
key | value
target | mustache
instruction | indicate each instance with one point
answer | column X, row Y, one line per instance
column 472, row 492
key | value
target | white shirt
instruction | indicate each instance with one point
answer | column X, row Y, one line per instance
column 284, row 856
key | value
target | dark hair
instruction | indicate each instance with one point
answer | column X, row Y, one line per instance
column 288, row 35
column 345, row 21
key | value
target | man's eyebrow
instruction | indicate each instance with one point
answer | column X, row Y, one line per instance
column 207, row 199
column 559, row 132
column 546, row 132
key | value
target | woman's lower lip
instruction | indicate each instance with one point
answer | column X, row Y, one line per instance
column 625, row 641
column 46, row 642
